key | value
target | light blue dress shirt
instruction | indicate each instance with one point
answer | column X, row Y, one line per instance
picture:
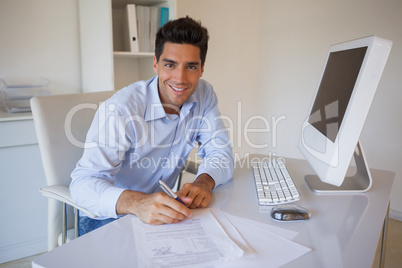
column 132, row 143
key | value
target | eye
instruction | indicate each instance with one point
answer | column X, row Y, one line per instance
column 169, row 65
column 192, row 67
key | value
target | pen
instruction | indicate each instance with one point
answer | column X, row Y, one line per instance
column 168, row 191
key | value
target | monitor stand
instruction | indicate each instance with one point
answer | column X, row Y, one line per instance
column 360, row 182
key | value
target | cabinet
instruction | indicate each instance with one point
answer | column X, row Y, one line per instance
column 104, row 66
column 23, row 210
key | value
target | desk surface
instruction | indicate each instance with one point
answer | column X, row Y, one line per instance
column 343, row 231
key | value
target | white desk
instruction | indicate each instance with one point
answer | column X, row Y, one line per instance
column 343, row 232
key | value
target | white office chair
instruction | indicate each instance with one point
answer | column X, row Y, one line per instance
column 62, row 121
column 53, row 116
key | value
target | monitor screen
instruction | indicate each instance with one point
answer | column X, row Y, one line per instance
column 334, row 92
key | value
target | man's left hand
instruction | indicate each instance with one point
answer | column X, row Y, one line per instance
column 199, row 193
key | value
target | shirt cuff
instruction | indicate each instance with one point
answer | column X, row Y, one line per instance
column 215, row 174
column 109, row 200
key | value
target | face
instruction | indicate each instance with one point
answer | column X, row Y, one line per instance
column 179, row 70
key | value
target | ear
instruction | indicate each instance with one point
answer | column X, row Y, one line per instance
column 202, row 69
column 155, row 65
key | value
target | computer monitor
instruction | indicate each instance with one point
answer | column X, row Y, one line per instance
column 330, row 134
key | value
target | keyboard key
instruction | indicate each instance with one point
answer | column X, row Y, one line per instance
column 274, row 184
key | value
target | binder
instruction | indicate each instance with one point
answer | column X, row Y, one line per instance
column 140, row 25
column 143, row 22
column 154, row 26
column 130, row 29
column 164, row 16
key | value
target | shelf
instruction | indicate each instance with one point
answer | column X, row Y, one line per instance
column 123, row 3
column 136, row 55
column 5, row 116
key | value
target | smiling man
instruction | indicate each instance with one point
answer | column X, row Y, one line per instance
column 146, row 131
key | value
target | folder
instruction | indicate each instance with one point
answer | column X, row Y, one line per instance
column 154, row 26
column 164, row 16
column 143, row 22
column 130, row 29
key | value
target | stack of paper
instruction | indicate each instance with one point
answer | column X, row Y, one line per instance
column 212, row 238
column 16, row 92
column 272, row 245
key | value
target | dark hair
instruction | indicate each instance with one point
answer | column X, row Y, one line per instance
column 182, row 31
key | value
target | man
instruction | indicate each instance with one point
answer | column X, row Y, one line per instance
column 145, row 132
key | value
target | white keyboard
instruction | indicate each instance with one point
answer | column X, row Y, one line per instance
column 273, row 183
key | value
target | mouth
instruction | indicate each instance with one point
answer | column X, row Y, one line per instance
column 178, row 89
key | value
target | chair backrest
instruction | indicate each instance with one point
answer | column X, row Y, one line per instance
column 61, row 123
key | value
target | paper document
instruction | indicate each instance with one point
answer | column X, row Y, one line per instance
column 288, row 234
column 232, row 232
column 271, row 249
column 196, row 242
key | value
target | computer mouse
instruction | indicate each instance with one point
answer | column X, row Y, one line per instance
column 290, row 213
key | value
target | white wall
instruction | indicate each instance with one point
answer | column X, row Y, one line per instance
column 40, row 38
column 232, row 61
column 268, row 54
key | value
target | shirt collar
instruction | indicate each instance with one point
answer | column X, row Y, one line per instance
column 188, row 106
column 154, row 109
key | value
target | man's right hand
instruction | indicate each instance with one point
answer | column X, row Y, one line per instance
column 156, row 208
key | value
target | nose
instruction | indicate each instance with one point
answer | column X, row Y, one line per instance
column 180, row 75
